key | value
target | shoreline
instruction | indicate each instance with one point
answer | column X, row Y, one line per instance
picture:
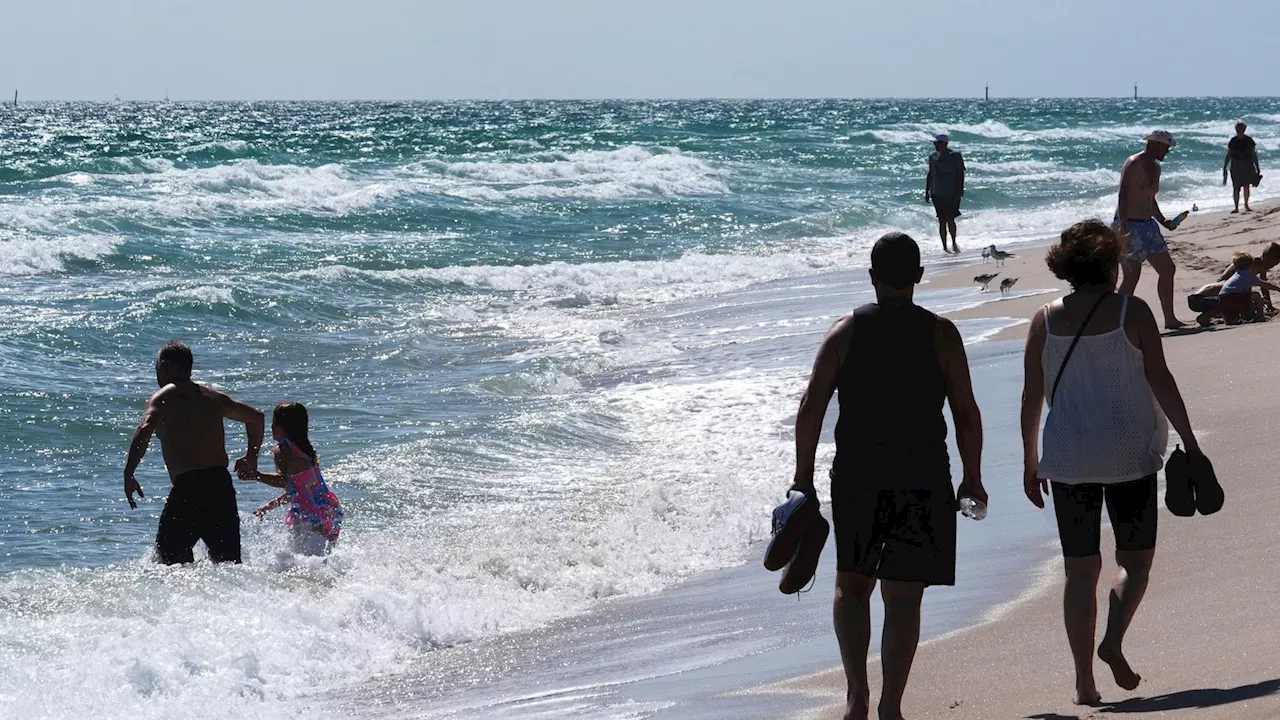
column 945, row 684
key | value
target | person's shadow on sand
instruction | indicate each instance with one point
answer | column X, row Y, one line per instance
column 1182, row 700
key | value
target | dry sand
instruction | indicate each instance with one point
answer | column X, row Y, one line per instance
column 1207, row 638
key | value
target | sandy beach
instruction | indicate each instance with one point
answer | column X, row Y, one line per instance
column 1203, row 639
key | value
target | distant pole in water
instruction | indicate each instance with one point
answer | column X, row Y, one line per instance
column 15, row 98
column 1135, row 91
column 986, row 94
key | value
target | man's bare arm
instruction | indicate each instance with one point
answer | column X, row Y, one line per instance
column 928, row 182
column 960, row 161
column 813, row 405
column 254, row 425
column 151, row 419
column 964, row 406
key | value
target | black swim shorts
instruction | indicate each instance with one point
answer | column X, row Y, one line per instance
column 1130, row 505
column 906, row 535
column 201, row 506
column 947, row 208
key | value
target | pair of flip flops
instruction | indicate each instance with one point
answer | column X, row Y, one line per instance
column 1191, row 486
column 799, row 533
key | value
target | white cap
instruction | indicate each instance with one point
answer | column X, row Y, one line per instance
column 1161, row 136
column 942, row 137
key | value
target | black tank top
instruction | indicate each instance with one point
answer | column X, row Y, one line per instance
column 891, row 434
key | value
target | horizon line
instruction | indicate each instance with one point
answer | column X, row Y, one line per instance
column 708, row 98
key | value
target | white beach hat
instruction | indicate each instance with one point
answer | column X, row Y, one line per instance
column 1162, row 136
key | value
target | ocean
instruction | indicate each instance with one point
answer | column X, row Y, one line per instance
column 552, row 353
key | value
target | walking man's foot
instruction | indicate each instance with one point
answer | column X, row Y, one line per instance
column 1233, row 212
column 1124, row 675
column 955, row 248
column 858, row 709
column 1174, row 324
column 1088, row 695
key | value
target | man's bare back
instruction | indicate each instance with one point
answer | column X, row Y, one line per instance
column 189, row 425
column 1139, row 183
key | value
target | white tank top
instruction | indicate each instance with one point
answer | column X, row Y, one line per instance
column 1105, row 425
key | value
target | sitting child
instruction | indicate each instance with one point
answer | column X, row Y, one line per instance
column 1236, row 300
column 1205, row 300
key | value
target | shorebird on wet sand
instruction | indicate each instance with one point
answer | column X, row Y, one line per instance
column 986, row 254
column 999, row 255
column 985, row 280
column 1007, row 284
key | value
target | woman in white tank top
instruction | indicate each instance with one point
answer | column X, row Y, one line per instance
column 1104, row 438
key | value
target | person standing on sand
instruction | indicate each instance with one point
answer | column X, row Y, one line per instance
column 1138, row 218
column 1104, row 438
column 944, row 187
column 894, row 364
column 188, row 418
column 1242, row 159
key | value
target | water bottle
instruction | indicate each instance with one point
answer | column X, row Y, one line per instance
column 973, row 508
column 1174, row 223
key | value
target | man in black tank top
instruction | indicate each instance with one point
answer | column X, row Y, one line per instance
column 894, row 364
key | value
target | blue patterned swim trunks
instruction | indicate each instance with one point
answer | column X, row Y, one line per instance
column 1144, row 239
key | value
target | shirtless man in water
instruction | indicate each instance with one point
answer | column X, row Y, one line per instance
column 1139, row 218
column 188, row 418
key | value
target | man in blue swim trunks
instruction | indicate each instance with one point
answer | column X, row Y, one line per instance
column 1138, row 217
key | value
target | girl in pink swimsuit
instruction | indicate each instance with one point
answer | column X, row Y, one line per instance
column 315, row 516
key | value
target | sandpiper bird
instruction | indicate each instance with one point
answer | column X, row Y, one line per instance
column 985, row 280
column 1007, row 284
column 999, row 255
column 986, row 254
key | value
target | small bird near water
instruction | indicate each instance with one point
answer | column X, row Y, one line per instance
column 985, row 280
column 1007, row 284
column 998, row 255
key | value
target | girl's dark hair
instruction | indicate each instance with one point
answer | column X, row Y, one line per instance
column 1087, row 254
column 292, row 416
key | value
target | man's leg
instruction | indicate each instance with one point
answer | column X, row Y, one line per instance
column 1164, row 267
column 1235, row 197
column 176, row 534
column 951, row 226
column 852, row 614
column 1080, row 616
column 1130, row 273
column 220, row 528
column 1246, row 199
column 899, row 641
column 1126, row 594
column 942, row 233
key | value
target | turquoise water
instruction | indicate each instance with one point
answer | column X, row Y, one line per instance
column 506, row 320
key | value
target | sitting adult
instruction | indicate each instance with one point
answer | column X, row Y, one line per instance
column 1097, row 358
column 1205, row 299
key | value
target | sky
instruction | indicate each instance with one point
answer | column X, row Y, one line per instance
column 515, row 49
